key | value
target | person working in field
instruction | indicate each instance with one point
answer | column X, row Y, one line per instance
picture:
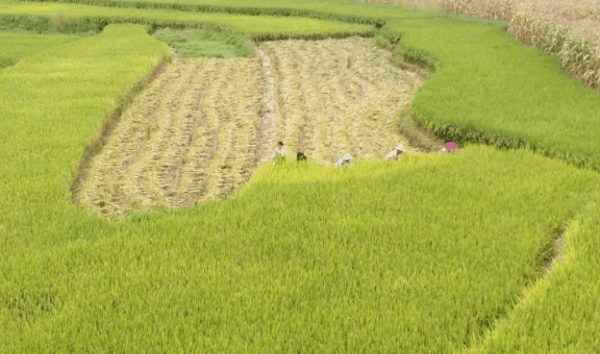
column 346, row 160
column 451, row 148
column 300, row 157
column 395, row 153
column 279, row 152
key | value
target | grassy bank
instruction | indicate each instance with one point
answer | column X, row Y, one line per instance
column 499, row 92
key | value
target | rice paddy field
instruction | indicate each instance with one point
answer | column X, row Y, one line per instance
column 140, row 211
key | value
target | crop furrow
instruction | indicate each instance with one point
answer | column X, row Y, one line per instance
column 102, row 191
column 246, row 97
column 209, row 130
column 340, row 124
column 311, row 136
column 218, row 118
column 169, row 172
column 202, row 143
column 237, row 165
column 326, row 112
column 265, row 134
column 293, row 99
column 309, row 107
column 280, row 72
column 372, row 118
column 229, row 146
column 143, row 175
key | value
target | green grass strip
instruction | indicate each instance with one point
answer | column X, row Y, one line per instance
column 348, row 11
column 245, row 23
column 313, row 263
column 492, row 89
column 559, row 314
column 53, row 106
column 16, row 46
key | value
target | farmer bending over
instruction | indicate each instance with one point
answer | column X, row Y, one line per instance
column 279, row 152
column 345, row 160
column 395, row 153
column 451, row 148
column 300, row 157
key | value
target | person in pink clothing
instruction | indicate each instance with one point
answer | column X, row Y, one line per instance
column 449, row 147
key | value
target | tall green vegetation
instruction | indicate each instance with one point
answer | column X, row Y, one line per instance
column 54, row 104
column 500, row 92
column 16, row 46
column 558, row 314
column 71, row 18
column 200, row 43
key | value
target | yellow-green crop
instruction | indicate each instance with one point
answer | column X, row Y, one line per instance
column 244, row 23
column 16, row 46
column 420, row 255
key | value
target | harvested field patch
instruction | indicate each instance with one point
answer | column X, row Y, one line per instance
column 187, row 138
column 338, row 96
column 200, row 129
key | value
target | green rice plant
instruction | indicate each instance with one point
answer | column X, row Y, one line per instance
column 501, row 83
column 60, row 20
column 540, row 308
column 337, row 10
column 307, row 257
column 381, row 41
column 349, row 62
column 406, row 54
column 5, row 62
column 540, row 33
column 16, row 46
column 198, row 43
column 284, row 26
column 576, row 55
